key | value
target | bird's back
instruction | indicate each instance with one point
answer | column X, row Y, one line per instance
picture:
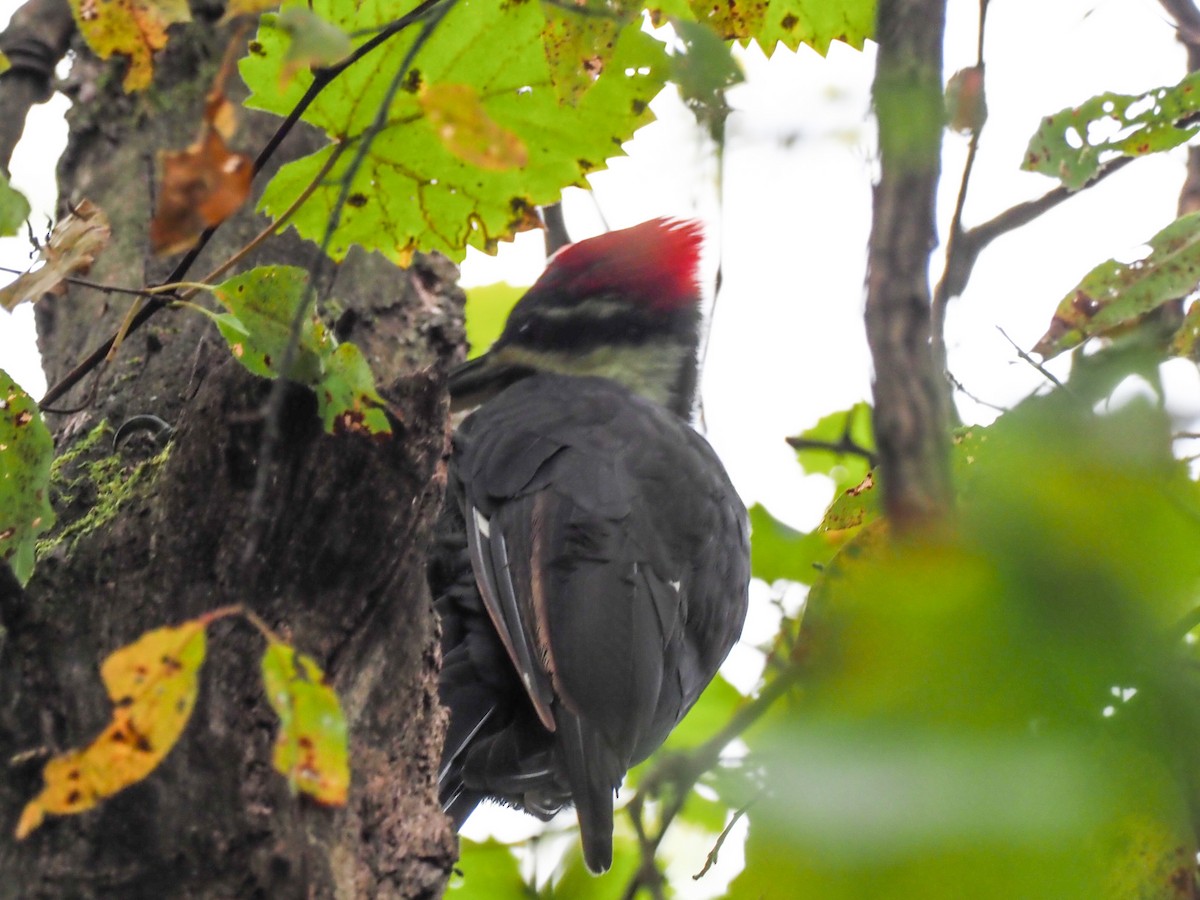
column 592, row 577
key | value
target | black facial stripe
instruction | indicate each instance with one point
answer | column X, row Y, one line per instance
column 583, row 331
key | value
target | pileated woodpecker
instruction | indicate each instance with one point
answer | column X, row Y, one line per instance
column 593, row 558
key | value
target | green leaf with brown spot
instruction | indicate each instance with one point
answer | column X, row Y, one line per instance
column 262, row 305
column 1117, row 294
column 815, row 23
column 26, row 451
column 311, row 748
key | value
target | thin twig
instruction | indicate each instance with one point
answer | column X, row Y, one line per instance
column 845, row 445
column 1046, row 373
column 711, row 859
column 83, row 282
column 958, row 386
column 941, row 294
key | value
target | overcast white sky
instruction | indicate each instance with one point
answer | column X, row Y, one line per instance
column 792, row 221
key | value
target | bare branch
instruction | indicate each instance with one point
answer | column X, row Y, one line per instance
column 34, row 42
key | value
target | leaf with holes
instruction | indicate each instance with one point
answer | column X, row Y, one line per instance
column 1072, row 144
column 262, row 303
column 26, row 451
column 413, row 192
column 849, row 427
column 152, row 684
column 133, row 28
column 1116, row 294
column 311, row 747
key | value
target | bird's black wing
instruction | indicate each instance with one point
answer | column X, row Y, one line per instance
column 593, row 520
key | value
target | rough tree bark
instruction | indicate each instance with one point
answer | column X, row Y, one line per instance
column 911, row 396
column 339, row 569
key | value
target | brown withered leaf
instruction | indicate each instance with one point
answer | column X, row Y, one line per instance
column 201, row 186
column 73, row 245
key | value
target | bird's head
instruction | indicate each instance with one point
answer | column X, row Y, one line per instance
column 624, row 305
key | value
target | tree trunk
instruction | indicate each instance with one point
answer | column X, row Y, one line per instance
column 339, row 566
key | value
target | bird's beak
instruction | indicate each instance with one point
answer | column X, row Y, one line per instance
column 479, row 379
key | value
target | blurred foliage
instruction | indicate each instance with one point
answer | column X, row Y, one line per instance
column 1005, row 708
column 487, row 310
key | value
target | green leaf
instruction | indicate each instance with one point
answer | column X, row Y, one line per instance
column 779, row 551
column 26, row 451
column 486, row 870
column 314, row 42
column 854, row 507
column 346, row 397
column 578, row 38
column 1115, row 294
column 311, row 748
column 1072, row 144
column 851, row 426
column 487, row 310
column 790, row 22
column 14, row 208
column 703, row 71
column 262, row 304
column 412, row 192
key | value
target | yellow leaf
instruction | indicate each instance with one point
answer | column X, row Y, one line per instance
column 466, row 130
column 311, row 747
column 152, row 683
column 133, row 28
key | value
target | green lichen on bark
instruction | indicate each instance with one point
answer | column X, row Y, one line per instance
column 88, row 487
